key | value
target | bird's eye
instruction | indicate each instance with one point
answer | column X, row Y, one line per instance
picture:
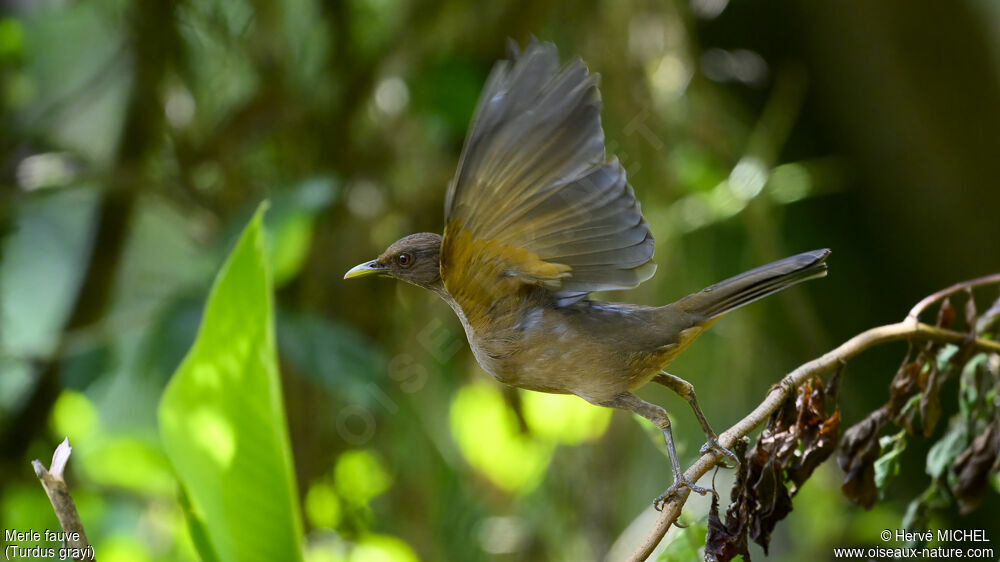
column 404, row 259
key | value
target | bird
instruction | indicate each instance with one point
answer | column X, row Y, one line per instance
column 537, row 217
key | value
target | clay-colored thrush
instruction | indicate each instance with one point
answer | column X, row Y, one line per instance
column 536, row 218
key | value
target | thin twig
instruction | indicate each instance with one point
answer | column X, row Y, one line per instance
column 970, row 284
column 62, row 503
column 909, row 329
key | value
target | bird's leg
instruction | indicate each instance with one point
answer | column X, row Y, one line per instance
column 685, row 390
column 658, row 416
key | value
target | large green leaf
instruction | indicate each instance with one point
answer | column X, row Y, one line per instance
column 222, row 420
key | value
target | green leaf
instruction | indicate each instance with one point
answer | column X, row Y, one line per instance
column 945, row 356
column 946, row 449
column 686, row 544
column 887, row 465
column 919, row 511
column 916, row 515
column 222, row 420
column 968, row 388
column 197, row 531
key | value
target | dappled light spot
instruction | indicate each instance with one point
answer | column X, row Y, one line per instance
column 360, row 476
column 322, row 506
column 382, row 548
column 48, row 170
column 740, row 65
column 691, row 212
column 789, row 183
column 701, row 209
column 490, row 440
column 205, row 375
column 211, row 432
column 392, row 96
column 564, row 418
column 670, row 77
column 233, row 360
column 708, row 9
column 179, row 107
column 365, row 198
column 503, row 535
column 748, row 178
column 74, row 416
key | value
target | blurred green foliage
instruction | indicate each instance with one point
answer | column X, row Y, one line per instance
column 138, row 138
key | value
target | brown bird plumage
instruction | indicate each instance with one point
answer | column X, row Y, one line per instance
column 536, row 218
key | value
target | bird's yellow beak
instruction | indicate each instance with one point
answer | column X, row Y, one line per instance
column 365, row 269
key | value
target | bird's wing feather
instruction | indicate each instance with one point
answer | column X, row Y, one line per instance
column 535, row 199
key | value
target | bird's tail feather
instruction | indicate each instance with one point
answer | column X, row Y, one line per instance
column 758, row 283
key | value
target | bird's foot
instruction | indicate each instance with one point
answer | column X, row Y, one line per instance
column 713, row 445
column 680, row 482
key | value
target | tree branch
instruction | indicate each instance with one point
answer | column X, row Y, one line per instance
column 964, row 285
column 909, row 329
column 62, row 503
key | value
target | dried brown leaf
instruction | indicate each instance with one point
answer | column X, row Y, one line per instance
column 970, row 314
column 973, row 467
column 775, row 459
column 817, row 434
column 904, row 385
column 725, row 541
column 946, row 314
column 833, row 385
column 815, row 450
column 858, row 451
column 767, row 497
column 771, row 502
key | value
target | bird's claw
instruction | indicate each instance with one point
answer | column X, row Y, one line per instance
column 713, row 445
column 680, row 482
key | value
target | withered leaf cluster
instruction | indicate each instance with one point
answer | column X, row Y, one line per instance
column 915, row 405
column 798, row 437
column 973, row 466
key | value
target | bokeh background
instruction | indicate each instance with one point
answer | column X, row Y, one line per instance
column 136, row 138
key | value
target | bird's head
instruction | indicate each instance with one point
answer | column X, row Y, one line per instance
column 415, row 259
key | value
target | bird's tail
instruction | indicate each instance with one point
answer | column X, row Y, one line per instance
column 758, row 283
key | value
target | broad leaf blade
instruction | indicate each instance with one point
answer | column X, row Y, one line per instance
column 222, row 420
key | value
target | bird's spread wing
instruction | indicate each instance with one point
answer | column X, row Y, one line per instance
column 535, row 199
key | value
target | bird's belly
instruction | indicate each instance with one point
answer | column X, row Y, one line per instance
column 595, row 372
column 597, row 355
